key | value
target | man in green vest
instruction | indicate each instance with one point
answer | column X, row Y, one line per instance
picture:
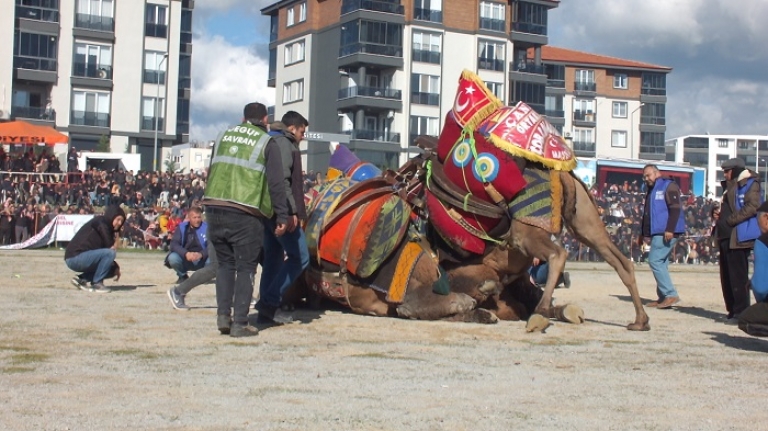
column 245, row 188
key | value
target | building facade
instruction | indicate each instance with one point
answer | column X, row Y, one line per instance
column 382, row 72
column 606, row 106
column 192, row 156
column 710, row 151
column 94, row 68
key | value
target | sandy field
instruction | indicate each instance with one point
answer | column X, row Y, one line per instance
column 72, row 360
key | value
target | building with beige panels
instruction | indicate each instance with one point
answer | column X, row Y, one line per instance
column 93, row 68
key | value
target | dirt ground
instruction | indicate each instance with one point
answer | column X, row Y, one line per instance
column 71, row 360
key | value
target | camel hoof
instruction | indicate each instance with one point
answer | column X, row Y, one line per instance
column 639, row 326
column 481, row 315
column 572, row 314
column 537, row 323
column 463, row 304
column 489, row 287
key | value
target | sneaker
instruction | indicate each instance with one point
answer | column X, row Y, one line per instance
column 80, row 284
column 177, row 299
column 238, row 331
column 100, row 288
column 567, row 280
column 224, row 324
column 668, row 302
column 182, row 279
column 269, row 314
column 253, row 303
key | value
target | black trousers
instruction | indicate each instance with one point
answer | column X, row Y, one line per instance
column 754, row 320
column 734, row 277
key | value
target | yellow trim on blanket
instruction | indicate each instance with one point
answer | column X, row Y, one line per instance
column 558, row 165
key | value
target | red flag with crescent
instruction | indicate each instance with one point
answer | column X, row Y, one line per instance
column 474, row 102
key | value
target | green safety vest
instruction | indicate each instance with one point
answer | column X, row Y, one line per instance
column 238, row 169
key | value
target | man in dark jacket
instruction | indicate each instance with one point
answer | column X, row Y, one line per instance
column 285, row 257
column 190, row 251
column 92, row 251
column 663, row 223
column 736, row 230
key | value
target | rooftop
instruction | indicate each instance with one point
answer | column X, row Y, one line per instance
column 553, row 54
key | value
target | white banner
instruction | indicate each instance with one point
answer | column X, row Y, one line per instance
column 62, row 228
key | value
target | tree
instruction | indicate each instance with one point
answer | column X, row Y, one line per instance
column 170, row 165
column 104, row 146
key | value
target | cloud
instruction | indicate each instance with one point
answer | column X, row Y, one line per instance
column 224, row 78
column 715, row 47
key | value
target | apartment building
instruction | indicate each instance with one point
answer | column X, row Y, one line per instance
column 93, row 68
column 376, row 73
column 710, row 151
column 606, row 106
column 192, row 156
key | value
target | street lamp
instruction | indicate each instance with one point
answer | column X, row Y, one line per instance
column 632, row 131
column 157, row 113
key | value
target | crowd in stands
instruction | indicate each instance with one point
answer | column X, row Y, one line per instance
column 621, row 208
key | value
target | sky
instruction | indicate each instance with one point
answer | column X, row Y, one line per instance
column 716, row 48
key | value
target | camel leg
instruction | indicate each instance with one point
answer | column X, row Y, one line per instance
column 589, row 229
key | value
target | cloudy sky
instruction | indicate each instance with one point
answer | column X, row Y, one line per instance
column 717, row 49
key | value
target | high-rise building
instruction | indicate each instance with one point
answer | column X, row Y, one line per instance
column 100, row 68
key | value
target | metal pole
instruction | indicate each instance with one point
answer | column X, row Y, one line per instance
column 157, row 115
column 632, row 131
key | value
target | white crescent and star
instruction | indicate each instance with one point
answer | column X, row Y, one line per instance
column 459, row 107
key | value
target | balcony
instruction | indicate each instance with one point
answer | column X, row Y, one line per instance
column 528, row 67
column 155, row 77
column 490, row 64
column 658, row 121
column 377, row 98
column 432, row 99
column 33, row 112
column 90, row 70
column 369, row 48
column 373, row 135
column 385, row 56
column 584, row 118
column 554, row 113
column 87, row 118
column 95, row 22
column 348, row 6
column 530, row 28
column 584, row 87
column 649, row 91
column 155, row 30
column 556, row 83
column 148, row 123
column 492, row 24
column 425, row 56
column 34, row 63
column 386, row 93
column 427, row 15
column 37, row 13
column 584, row 148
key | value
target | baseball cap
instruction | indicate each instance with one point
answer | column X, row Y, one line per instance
column 732, row 164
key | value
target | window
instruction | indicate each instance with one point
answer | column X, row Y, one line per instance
column 581, row 107
column 654, row 84
column 428, row 10
column 38, row 10
column 148, row 117
column 620, row 81
column 653, row 113
column 426, row 47
column 491, row 55
column 424, row 126
column 529, row 18
column 294, row 52
column 95, row 15
column 92, row 61
column 619, row 138
column 585, row 80
column 492, row 16
column 553, row 107
column 497, row 88
column 154, row 72
column 293, row 91
column 531, row 93
column 619, row 109
column 583, row 140
column 722, row 143
column 303, row 12
column 289, row 20
column 156, row 21
column 35, row 51
column 198, row 158
column 425, row 89
column 90, row 108
column 372, row 37
column 652, row 143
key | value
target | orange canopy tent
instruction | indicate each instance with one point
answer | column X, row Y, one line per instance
column 23, row 133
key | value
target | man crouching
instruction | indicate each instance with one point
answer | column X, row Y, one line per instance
column 92, row 251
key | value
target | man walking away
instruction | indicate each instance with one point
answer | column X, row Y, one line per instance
column 245, row 187
column 663, row 223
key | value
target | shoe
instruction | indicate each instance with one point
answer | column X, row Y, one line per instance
column 243, row 331
column 567, row 280
column 224, row 323
column 654, row 304
column 182, row 279
column 100, row 288
column 668, row 302
column 269, row 314
column 253, row 303
column 733, row 321
column 177, row 299
column 80, row 284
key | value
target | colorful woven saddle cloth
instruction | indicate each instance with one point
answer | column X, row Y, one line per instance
column 540, row 203
column 356, row 225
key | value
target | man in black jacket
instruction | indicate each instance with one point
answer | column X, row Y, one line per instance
column 92, row 251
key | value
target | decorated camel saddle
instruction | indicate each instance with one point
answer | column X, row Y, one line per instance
column 501, row 156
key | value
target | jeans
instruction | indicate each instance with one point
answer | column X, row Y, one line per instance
column 539, row 273
column 237, row 238
column 182, row 266
column 658, row 260
column 95, row 265
column 201, row 276
column 278, row 272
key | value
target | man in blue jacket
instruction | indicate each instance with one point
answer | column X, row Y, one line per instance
column 189, row 252
column 754, row 320
column 662, row 222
